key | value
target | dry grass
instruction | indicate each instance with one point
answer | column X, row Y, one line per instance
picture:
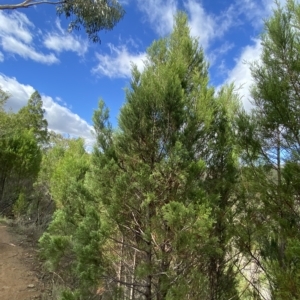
column 5, row 221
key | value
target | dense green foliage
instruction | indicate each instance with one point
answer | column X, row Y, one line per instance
column 271, row 137
column 154, row 200
column 20, row 152
column 189, row 197
column 32, row 118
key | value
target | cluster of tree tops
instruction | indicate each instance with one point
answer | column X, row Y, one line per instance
column 190, row 197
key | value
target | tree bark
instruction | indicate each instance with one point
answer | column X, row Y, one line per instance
column 26, row 4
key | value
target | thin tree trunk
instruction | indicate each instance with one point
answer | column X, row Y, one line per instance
column 148, row 292
column 2, row 187
column 281, row 239
column 120, row 269
column 131, row 296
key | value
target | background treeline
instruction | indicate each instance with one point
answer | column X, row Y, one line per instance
column 189, row 197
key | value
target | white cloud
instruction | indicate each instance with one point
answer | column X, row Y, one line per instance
column 16, row 36
column 256, row 11
column 19, row 93
column 63, row 120
column 64, row 41
column 12, row 45
column 17, row 25
column 58, row 99
column 117, row 64
column 159, row 13
column 241, row 74
column 60, row 119
column 207, row 27
column 1, row 57
column 202, row 24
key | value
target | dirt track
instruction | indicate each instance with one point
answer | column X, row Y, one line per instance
column 18, row 279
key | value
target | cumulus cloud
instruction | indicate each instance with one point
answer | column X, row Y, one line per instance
column 19, row 93
column 60, row 40
column 60, row 119
column 16, row 37
column 117, row 64
column 241, row 74
column 63, row 120
column 159, row 13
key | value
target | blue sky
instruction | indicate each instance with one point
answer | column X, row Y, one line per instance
column 71, row 73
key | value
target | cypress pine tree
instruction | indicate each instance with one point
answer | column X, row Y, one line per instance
column 20, row 158
column 150, row 175
column 222, row 177
column 153, row 219
column 273, row 142
column 32, row 117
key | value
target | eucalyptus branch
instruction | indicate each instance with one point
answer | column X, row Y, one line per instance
column 27, row 3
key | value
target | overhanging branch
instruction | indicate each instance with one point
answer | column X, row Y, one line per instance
column 27, row 3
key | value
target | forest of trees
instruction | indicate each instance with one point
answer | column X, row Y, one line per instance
column 189, row 197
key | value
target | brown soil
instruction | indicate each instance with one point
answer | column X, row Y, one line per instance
column 19, row 275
